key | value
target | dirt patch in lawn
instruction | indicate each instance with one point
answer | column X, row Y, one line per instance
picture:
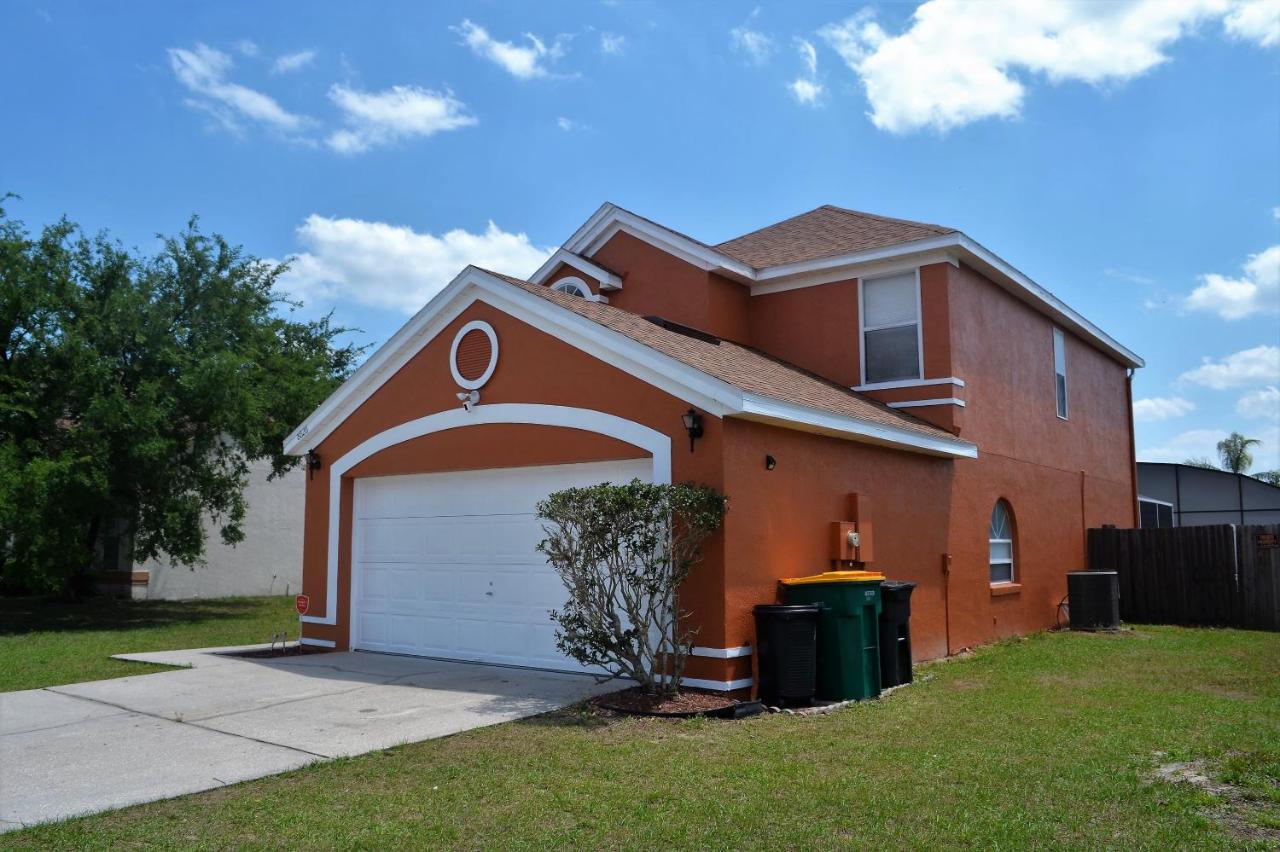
column 1240, row 813
column 689, row 702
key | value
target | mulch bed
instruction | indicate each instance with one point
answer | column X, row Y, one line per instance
column 690, row 702
column 272, row 653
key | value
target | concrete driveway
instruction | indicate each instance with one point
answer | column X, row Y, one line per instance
column 86, row 747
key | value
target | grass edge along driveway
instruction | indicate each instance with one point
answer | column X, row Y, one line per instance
column 49, row 642
column 1048, row 741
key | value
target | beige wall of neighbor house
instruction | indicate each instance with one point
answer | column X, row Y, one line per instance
column 267, row 562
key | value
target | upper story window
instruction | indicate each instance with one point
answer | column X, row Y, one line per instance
column 1000, row 544
column 891, row 346
column 1060, row 372
column 573, row 286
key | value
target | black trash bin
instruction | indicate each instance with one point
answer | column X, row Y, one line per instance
column 895, row 632
column 787, row 653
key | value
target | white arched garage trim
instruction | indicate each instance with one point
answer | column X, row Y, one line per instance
column 628, row 431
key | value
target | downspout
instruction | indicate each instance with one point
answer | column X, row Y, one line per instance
column 1133, row 448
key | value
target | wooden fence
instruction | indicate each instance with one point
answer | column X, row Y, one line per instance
column 1223, row 575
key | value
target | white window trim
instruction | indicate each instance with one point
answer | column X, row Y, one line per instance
column 863, row 328
column 1060, row 338
column 582, row 286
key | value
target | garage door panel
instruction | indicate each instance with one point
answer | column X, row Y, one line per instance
column 446, row 564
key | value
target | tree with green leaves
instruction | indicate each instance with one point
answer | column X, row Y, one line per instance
column 623, row 552
column 1234, row 451
column 138, row 390
column 1201, row 462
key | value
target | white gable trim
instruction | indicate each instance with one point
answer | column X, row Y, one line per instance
column 950, row 248
column 608, row 281
column 637, row 434
column 716, row 397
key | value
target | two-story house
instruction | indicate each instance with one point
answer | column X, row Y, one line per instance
column 834, row 367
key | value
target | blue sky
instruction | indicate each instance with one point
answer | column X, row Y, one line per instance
column 1125, row 155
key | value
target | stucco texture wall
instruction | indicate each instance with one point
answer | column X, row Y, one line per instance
column 265, row 563
column 533, row 367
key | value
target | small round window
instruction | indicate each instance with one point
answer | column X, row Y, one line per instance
column 474, row 355
column 574, row 287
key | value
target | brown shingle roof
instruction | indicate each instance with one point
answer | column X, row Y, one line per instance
column 825, row 232
column 745, row 368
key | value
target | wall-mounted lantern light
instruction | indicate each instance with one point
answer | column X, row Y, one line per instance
column 693, row 425
column 313, row 463
column 770, row 462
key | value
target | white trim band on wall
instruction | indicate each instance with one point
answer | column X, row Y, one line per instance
column 720, row 685
column 319, row 643
column 916, row 403
column 910, row 383
column 722, row 653
column 531, row 414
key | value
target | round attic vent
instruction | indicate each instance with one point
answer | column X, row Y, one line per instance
column 474, row 355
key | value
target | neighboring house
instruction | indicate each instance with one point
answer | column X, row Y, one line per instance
column 844, row 367
column 1181, row 495
column 265, row 563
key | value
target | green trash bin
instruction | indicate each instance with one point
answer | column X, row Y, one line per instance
column 848, row 630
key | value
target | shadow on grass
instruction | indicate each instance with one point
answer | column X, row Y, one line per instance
column 38, row 614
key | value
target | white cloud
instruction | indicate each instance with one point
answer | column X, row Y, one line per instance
column 806, row 89
column 380, row 118
column 392, row 266
column 1257, row 366
column 290, row 62
column 959, row 62
column 756, row 45
column 1261, row 404
column 566, row 124
column 612, row 44
column 1255, row 20
column 1193, row 444
column 204, row 71
column 1255, row 293
column 1161, row 408
column 248, row 48
column 524, row 62
column 1275, row 213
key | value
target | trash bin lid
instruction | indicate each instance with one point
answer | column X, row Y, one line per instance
column 787, row 609
column 898, row 585
column 837, row 577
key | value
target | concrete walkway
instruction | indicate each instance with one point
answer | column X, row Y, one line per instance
column 86, row 747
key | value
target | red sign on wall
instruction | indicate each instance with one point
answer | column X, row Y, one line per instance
column 302, row 603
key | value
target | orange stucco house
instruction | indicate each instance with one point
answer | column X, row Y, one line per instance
column 845, row 367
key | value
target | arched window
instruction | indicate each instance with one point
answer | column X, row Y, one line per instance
column 1000, row 542
column 574, row 287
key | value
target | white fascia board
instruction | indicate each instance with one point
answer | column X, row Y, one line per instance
column 609, row 220
column 909, row 383
column 1029, row 291
column 383, row 363
column 608, row 281
column 645, row 363
column 862, row 264
column 716, row 397
column 767, row 410
column 950, row 248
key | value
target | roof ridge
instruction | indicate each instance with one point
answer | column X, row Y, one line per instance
column 945, row 229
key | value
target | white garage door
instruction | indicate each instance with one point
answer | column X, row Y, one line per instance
column 445, row 566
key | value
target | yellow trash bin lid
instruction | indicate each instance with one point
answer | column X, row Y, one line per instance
column 835, row 577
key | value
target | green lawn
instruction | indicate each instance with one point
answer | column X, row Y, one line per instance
column 1050, row 741
column 49, row 642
